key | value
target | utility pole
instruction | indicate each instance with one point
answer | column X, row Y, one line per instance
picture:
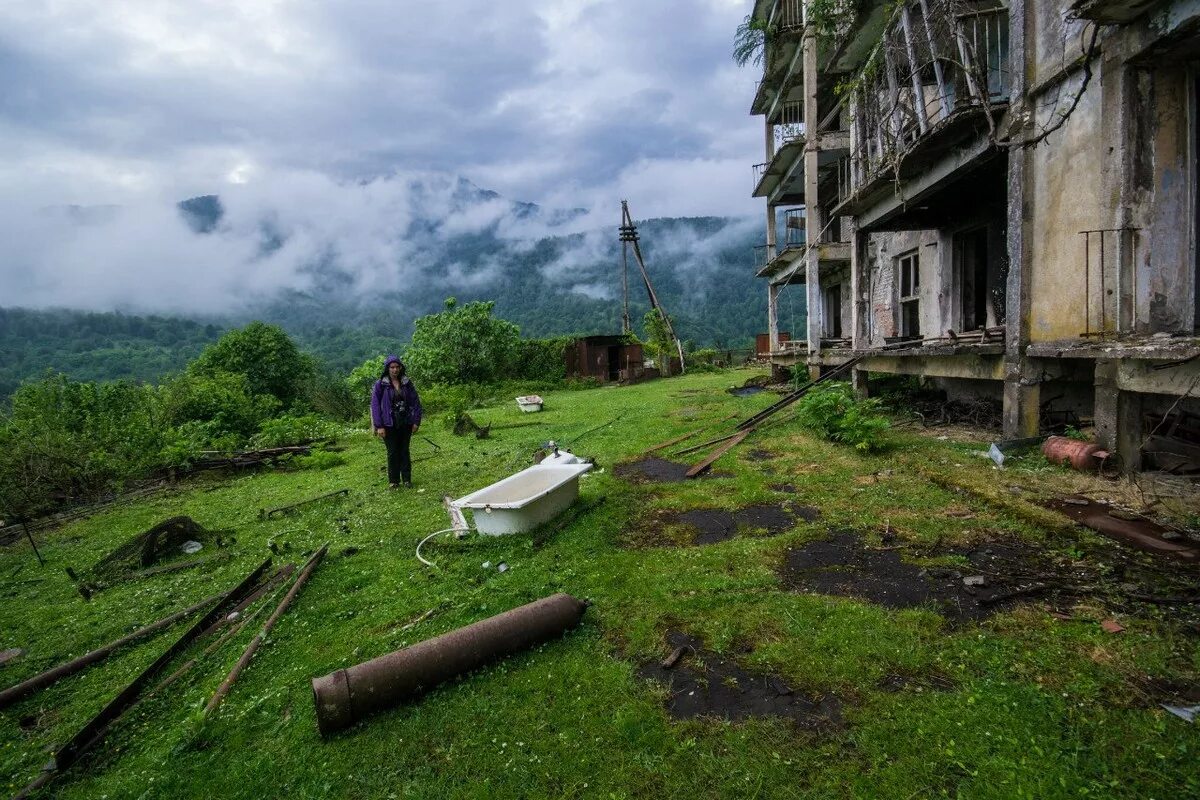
column 629, row 236
column 625, row 326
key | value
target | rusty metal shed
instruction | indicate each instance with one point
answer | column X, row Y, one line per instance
column 607, row 358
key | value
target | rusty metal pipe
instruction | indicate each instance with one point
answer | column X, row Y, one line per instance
column 348, row 695
column 1083, row 456
column 16, row 692
column 252, row 648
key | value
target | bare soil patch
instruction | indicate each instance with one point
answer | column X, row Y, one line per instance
column 759, row 455
column 653, row 469
column 704, row 684
column 996, row 577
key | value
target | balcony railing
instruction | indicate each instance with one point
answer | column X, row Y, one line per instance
column 787, row 15
column 790, row 126
column 758, row 170
column 762, row 256
column 794, row 232
column 932, row 63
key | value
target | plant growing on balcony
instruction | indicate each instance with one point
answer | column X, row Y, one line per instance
column 750, row 41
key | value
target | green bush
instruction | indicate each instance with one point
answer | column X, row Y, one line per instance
column 319, row 460
column 362, row 378
column 265, row 355
column 222, row 400
column 462, row 344
column 291, row 430
column 833, row 412
column 332, row 396
column 541, row 359
column 65, row 439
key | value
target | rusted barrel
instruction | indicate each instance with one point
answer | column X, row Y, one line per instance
column 346, row 696
column 1084, row 456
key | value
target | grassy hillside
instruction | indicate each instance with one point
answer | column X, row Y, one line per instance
column 915, row 703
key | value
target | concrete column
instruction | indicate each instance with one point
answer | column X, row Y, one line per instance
column 772, row 235
column 1118, row 417
column 1022, row 400
column 858, row 380
column 812, row 215
column 858, row 304
column 773, row 316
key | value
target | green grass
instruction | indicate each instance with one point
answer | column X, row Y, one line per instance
column 1040, row 708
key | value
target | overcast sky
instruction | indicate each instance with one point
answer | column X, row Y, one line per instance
column 317, row 118
column 561, row 102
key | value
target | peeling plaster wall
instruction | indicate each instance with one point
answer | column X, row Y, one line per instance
column 883, row 311
column 1066, row 189
column 1162, row 201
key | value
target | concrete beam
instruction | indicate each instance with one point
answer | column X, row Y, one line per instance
column 1140, row 376
column 989, row 368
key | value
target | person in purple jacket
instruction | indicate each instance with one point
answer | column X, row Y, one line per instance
column 396, row 416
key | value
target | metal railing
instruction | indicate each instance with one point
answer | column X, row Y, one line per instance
column 787, row 15
column 790, row 127
column 762, row 256
column 930, row 64
column 758, row 170
column 795, row 232
column 1109, row 281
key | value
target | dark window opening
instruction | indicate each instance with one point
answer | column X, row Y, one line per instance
column 971, row 255
column 909, row 269
column 833, row 312
column 614, row 362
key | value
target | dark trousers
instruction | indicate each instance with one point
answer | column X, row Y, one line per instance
column 399, row 464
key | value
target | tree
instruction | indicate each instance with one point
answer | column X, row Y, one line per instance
column 658, row 339
column 462, row 344
column 269, row 359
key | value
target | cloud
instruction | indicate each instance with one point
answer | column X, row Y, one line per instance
column 328, row 128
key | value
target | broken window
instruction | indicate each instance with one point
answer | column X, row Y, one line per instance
column 909, row 280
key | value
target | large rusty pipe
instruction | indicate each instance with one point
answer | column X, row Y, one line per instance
column 347, row 695
column 16, row 692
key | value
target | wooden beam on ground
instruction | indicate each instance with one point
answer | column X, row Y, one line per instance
column 720, row 451
column 703, row 445
column 670, row 442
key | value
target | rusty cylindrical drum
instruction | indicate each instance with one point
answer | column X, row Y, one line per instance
column 347, row 695
column 1082, row 456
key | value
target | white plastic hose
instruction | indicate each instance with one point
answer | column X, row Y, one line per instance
column 430, row 536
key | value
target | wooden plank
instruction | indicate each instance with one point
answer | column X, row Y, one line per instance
column 672, row 441
column 703, row 445
column 720, row 451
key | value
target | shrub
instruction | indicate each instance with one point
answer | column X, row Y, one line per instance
column 462, row 344
column 320, row 460
column 329, row 395
column 222, row 400
column 541, row 359
column 265, row 355
column 290, row 430
column 833, row 412
column 64, row 439
column 362, row 378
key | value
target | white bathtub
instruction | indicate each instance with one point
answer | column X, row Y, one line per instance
column 523, row 501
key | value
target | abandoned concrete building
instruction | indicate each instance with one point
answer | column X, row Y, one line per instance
column 1000, row 197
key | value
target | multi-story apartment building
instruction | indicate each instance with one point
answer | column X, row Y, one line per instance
column 1001, row 196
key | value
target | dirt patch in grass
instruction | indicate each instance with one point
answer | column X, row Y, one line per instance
column 703, row 684
column 653, row 469
column 996, row 576
column 701, row 526
column 746, row 391
column 759, row 455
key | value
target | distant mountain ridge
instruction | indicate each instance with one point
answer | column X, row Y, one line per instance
column 546, row 271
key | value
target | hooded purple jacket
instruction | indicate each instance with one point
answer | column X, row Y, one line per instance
column 381, row 400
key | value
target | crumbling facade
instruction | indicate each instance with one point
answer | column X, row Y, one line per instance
column 1000, row 197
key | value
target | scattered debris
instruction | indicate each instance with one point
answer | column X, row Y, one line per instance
column 530, row 403
column 1138, row 532
column 249, row 458
column 10, row 654
column 670, row 661
column 150, row 546
column 712, row 686
column 1083, row 456
column 347, row 695
column 670, row 442
column 974, row 580
column 1185, row 713
column 502, row 567
column 53, row 675
column 720, row 451
column 1001, row 450
column 758, row 454
column 757, row 419
column 94, row 731
column 842, row 566
column 191, row 547
column 265, row 514
column 257, row 641
column 463, row 425
column 1111, row 626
